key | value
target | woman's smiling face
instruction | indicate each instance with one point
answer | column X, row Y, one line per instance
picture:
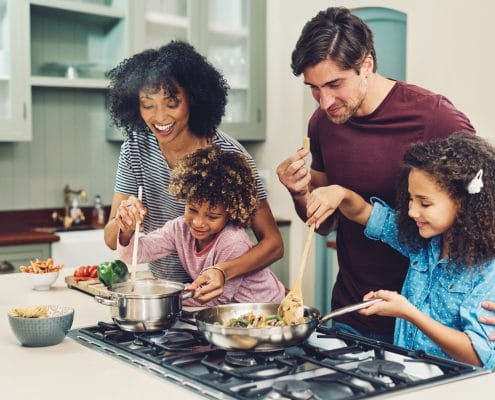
column 167, row 117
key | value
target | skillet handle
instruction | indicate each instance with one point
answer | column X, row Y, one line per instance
column 347, row 309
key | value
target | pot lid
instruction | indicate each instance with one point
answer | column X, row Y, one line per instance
column 147, row 288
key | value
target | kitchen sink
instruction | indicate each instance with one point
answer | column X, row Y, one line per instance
column 81, row 247
column 54, row 229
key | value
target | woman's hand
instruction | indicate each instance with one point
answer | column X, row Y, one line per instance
column 208, row 285
column 488, row 319
column 394, row 305
column 129, row 212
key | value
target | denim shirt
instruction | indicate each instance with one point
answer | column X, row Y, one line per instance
column 449, row 295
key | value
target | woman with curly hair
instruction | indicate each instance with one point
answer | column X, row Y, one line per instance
column 169, row 103
column 445, row 225
column 220, row 195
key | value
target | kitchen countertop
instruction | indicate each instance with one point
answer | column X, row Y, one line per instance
column 21, row 236
column 70, row 370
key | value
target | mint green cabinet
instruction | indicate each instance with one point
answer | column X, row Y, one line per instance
column 15, row 95
column 231, row 34
column 72, row 44
column 19, row 255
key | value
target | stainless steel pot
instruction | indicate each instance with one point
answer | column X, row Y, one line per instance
column 149, row 305
column 210, row 321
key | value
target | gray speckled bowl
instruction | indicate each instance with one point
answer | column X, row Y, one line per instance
column 38, row 332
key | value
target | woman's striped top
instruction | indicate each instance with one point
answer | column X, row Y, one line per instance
column 141, row 163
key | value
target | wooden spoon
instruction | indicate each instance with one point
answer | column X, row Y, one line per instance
column 291, row 308
column 135, row 247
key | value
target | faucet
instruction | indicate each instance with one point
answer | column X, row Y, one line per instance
column 74, row 214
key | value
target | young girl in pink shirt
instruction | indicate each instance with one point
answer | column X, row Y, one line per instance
column 221, row 198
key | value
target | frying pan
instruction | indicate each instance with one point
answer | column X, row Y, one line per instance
column 211, row 323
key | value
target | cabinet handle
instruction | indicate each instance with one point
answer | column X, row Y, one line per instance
column 24, row 111
column 6, row 267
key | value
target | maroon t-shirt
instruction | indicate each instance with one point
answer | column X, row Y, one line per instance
column 364, row 155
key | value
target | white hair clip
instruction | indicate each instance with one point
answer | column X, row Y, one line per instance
column 476, row 183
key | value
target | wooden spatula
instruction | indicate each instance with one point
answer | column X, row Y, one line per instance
column 291, row 308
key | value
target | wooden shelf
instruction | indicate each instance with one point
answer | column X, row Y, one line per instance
column 166, row 20
column 98, row 11
column 82, row 83
column 229, row 32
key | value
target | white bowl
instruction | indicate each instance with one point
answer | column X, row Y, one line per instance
column 41, row 281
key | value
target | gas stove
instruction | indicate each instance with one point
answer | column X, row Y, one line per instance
column 331, row 364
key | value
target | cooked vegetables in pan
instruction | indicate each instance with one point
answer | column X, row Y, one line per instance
column 251, row 320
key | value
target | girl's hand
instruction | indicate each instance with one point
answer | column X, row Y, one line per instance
column 129, row 212
column 394, row 305
column 322, row 203
column 208, row 285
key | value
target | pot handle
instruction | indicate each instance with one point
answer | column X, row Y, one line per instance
column 347, row 309
column 187, row 295
column 107, row 302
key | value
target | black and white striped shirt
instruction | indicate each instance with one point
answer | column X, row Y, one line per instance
column 141, row 163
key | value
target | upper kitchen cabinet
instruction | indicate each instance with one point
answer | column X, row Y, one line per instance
column 231, row 34
column 15, row 94
column 73, row 43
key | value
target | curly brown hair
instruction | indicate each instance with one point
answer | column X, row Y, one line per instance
column 453, row 163
column 176, row 64
column 217, row 177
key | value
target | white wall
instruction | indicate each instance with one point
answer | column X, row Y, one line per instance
column 450, row 51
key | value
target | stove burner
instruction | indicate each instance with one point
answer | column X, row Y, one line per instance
column 293, row 389
column 243, row 359
column 381, row 367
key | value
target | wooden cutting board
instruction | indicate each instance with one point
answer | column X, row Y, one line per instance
column 95, row 287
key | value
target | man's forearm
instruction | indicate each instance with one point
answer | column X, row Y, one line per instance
column 300, row 201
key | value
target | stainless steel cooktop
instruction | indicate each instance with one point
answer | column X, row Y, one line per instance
column 330, row 365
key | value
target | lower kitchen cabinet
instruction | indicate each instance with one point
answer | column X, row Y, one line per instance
column 18, row 255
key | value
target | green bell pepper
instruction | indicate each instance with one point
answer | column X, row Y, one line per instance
column 111, row 272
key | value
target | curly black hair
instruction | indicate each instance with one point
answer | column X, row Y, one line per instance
column 175, row 64
column 452, row 163
column 217, row 177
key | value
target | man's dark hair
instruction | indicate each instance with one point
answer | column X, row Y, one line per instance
column 335, row 34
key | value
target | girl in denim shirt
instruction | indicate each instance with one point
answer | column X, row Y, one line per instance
column 444, row 222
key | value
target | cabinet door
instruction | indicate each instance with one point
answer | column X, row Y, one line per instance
column 231, row 34
column 19, row 255
column 15, row 95
column 235, row 44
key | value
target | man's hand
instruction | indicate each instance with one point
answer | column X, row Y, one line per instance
column 294, row 174
column 488, row 319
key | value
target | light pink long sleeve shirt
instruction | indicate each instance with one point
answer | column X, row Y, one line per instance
column 230, row 243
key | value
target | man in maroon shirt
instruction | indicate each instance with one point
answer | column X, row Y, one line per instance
column 358, row 136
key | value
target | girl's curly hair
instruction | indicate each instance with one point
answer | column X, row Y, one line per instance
column 175, row 64
column 453, row 163
column 217, row 177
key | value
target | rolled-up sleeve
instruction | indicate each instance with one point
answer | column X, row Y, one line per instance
column 382, row 226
